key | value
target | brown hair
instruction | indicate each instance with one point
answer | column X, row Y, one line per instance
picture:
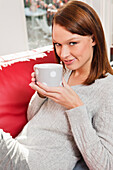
column 79, row 18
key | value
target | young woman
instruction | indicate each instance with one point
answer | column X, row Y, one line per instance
column 86, row 95
column 72, row 123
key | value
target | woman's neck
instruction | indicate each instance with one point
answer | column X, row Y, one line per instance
column 77, row 77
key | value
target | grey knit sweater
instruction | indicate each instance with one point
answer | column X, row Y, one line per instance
column 55, row 138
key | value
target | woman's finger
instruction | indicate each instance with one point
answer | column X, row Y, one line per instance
column 33, row 79
column 64, row 83
column 43, row 92
column 37, row 88
column 33, row 74
column 48, row 89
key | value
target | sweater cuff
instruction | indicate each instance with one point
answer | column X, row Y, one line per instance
column 81, row 126
column 36, row 99
column 78, row 113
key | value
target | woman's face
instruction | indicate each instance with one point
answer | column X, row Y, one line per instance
column 74, row 50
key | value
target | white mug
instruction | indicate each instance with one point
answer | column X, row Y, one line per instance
column 49, row 74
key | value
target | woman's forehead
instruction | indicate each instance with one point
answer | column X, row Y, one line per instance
column 61, row 34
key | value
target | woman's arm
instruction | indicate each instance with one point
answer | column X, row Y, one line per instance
column 94, row 139
column 34, row 105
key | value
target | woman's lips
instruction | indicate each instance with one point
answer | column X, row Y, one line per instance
column 68, row 62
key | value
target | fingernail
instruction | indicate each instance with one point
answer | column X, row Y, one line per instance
column 30, row 84
column 37, row 83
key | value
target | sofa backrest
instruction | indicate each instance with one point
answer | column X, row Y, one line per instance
column 15, row 92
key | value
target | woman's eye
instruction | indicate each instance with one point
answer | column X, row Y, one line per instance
column 72, row 43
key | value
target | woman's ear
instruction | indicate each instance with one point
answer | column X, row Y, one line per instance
column 93, row 40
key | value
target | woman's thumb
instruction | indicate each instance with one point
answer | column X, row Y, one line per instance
column 64, row 83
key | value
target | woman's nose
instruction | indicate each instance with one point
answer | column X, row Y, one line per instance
column 65, row 52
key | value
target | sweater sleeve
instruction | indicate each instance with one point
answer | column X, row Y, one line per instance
column 12, row 154
column 34, row 105
column 94, row 138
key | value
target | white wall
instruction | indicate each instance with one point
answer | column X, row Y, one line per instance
column 112, row 21
column 13, row 32
column 105, row 13
column 104, row 8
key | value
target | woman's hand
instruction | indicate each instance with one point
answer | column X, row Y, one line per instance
column 33, row 84
column 63, row 95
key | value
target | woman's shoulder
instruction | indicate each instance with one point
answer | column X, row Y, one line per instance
column 109, row 80
column 101, row 87
column 106, row 83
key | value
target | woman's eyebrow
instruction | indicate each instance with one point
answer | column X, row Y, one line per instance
column 74, row 38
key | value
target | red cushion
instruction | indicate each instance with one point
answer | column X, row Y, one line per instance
column 15, row 93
